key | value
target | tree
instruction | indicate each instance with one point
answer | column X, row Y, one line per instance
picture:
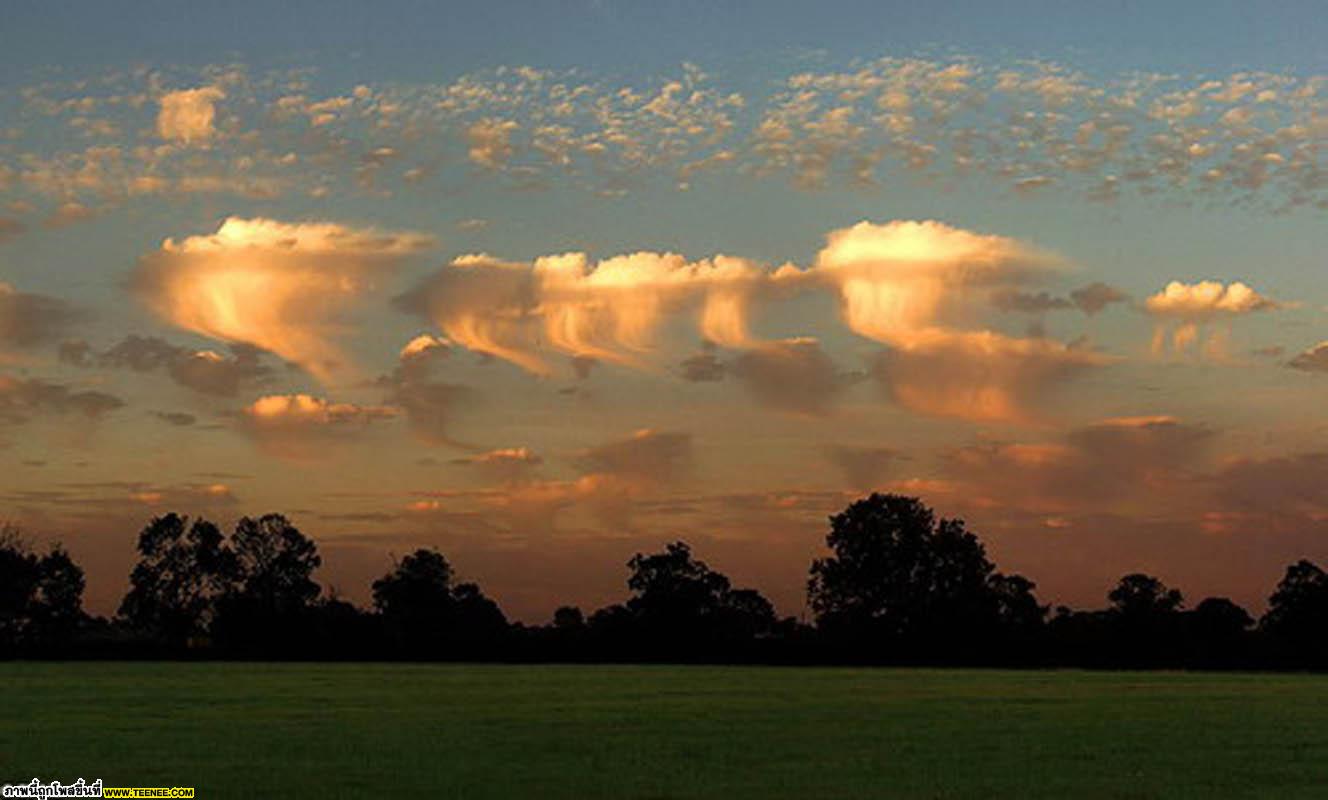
column 426, row 614
column 898, row 576
column 1146, row 622
column 1218, row 633
column 417, row 594
column 266, row 607
column 41, row 597
column 1297, row 616
column 568, row 618
column 679, row 600
column 183, row 569
column 274, row 564
column 1140, row 596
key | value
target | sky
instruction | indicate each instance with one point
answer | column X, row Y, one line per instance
column 544, row 285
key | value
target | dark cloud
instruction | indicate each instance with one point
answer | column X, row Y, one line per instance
column 1314, row 359
column 704, row 367
column 1285, row 485
column 646, row 455
column 28, row 319
column 429, row 405
column 1150, row 460
column 1096, row 296
column 177, row 418
column 791, row 375
column 1027, row 302
column 10, row 228
column 202, row 371
column 864, row 468
column 21, row 398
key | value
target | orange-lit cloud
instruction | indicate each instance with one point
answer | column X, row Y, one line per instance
column 979, row 375
column 281, row 287
column 301, row 427
column 910, row 285
column 504, row 465
column 901, row 278
column 609, row 311
column 1187, row 307
column 1314, row 359
column 188, row 115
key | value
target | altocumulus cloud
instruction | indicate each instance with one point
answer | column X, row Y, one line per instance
column 281, row 287
column 903, row 284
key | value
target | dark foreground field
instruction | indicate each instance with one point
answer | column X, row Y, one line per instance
column 260, row 730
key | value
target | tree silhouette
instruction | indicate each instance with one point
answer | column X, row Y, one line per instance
column 679, row 600
column 1143, row 597
column 41, row 597
column 1218, row 633
column 1146, row 621
column 900, row 578
column 183, row 569
column 1297, row 616
column 426, row 615
column 272, row 585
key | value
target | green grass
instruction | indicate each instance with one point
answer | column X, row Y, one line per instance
column 353, row 730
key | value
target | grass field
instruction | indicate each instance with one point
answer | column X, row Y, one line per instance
column 353, row 730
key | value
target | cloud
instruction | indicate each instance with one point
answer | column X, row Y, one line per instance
column 505, row 465
column 1314, row 359
column 864, row 468
column 609, row 311
column 703, row 367
column 792, row 375
column 176, row 418
column 10, row 229
column 1189, row 306
column 1027, row 302
column 21, row 398
column 647, row 455
column 188, row 115
column 1206, row 299
column 1113, row 464
column 203, row 371
column 979, row 375
column 68, row 213
column 302, row 427
column 1285, row 486
column 428, row 405
column 1095, row 297
column 281, row 287
column 28, row 319
column 899, row 278
column 489, row 142
column 906, row 284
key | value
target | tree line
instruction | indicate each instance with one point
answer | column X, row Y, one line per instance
column 897, row 586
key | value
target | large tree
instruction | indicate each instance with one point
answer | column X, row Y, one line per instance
column 267, row 606
column 426, row 614
column 1297, row 616
column 899, row 575
column 41, row 596
column 183, row 569
column 678, row 598
column 274, row 564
